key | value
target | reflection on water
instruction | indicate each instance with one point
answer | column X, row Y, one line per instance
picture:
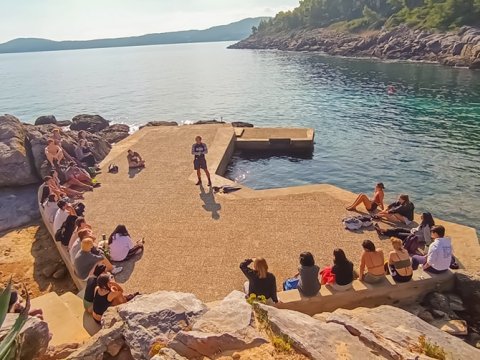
column 424, row 141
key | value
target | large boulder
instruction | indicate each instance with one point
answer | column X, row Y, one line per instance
column 35, row 336
column 18, row 206
column 227, row 326
column 90, row 123
column 115, row 133
column 467, row 286
column 16, row 168
column 46, row 119
column 157, row 318
column 241, row 124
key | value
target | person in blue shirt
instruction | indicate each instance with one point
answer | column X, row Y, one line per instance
column 199, row 150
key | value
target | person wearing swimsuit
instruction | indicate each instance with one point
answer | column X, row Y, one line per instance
column 53, row 152
column 370, row 204
column 373, row 260
column 399, row 262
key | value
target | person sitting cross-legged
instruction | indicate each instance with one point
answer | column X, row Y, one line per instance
column 85, row 260
column 440, row 252
column 122, row 246
column 135, row 161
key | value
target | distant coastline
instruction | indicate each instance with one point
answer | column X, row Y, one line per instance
column 231, row 32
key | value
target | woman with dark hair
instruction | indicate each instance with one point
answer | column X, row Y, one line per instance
column 64, row 234
column 401, row 210
column 370, row 204
column 374, row 261
column 423, row 231
column 122, row 246
column 343, row 270
column 82, row 150
column 306, row 281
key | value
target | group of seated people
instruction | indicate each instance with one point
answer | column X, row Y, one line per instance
column 409, row 252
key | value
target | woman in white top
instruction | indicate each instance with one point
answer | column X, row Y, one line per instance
column 122, row 246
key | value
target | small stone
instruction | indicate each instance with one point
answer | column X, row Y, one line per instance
column 454, row 327
column 114, row 347
column 60, row 273
column 438, row 314
column 456, row 303
column 236, row 356
column 426, row 316
column 49, row 269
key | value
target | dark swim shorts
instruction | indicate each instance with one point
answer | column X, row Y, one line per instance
column 200, row 163
column 374, row 207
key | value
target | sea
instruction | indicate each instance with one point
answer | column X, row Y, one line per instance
column 423, row 141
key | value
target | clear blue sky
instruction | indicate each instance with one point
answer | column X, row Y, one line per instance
column 91, row 19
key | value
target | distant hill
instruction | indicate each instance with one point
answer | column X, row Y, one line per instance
column 231, row 32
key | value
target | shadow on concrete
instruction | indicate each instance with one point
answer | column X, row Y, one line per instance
column 132, row 172
column 128, row 268
column 209, row 202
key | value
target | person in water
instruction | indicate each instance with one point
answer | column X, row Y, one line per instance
column 370, row 204
column 401, row 210
column 199, row 150
column 134, row 159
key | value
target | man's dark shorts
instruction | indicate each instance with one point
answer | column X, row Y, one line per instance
column 200, row 163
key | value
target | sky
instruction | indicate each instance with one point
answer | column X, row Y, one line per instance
column 93, row 19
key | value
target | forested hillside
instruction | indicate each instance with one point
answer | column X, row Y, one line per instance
column 354, row 15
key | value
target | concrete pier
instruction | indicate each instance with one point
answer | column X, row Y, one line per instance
column 195, row 240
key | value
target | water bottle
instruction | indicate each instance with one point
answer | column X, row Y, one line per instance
column 421, row 271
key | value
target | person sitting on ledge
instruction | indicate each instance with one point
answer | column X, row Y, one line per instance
column 107, row 293
column 75, row 247
column 57, row 136
column 440, row 252
column 80, row 224
column 260, row 281
column 399, row 263
column 422, row 231
column 370, row 204
column 83, row 152
column 373, row 260
column 122, row 246
column 85, row 260
column 76, row 176
column 343, row 270
column 54, row 153
column 50, row 208
column 66, row 189
column 134, row 159
column 64, row 210
column 90, row 287
column 306, row 281
column 401, row 210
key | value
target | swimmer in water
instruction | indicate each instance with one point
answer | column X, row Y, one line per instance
column 391, row 90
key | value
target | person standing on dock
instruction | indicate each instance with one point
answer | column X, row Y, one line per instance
column 199, row 150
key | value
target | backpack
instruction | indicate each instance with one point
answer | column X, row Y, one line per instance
column 411, row 244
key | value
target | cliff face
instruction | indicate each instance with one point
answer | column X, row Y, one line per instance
column 460, row 48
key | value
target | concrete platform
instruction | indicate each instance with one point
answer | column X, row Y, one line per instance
column 195, row 240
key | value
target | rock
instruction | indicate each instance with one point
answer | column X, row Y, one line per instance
column 35, row 336
column 437, row 314
column 395, row 333
column 60, row 273
column 241, row 124
column 438, row 301
column 90, row 123
column 467, row 286
column 63, row 123
column 60, row 351
column 208, row 122
column 47, row 119
column 474, row 339
column 16, row 167
column 157, row 316
column 456, row 303
column 168, row 354
column 115, row 346
column 314, row 338
column 452, row 327
column 426, row 316
column 115, row 133
column 160, row 123
column 475, row 65
column 49, row 269
column 457, row 49
column 95, row 347
column 227, row 326
column 18, row 206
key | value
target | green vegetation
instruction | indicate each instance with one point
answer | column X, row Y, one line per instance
column 10, row 345
column 432, row 350
column 355, row 15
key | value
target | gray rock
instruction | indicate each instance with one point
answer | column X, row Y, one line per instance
column 475, row 65
column 90, row 123
column 49, row 269
column 227, row 326
column 168, row 354
column 18, row 206
column 47, row 119
column 437, row 314
column 438, row 301
column 457, row 49
column 115, row 133
column 467, row 286
column 157, row 317
column 160, row 123
column 63, row 123
column 16, row 167
column 456, row 303
column 208, row 122
column 241, row 124
column 35, row 334
column 60, row 351
column 426, row 316
column 314, row 338
column 60, row 273
column 95, row 347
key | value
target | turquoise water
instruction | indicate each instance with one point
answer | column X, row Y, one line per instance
column 424, row 141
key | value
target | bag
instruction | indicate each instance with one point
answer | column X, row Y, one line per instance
column 290, row 284
column 352, row 223
column 411, row 244
column 327, row 276
column 112, row 168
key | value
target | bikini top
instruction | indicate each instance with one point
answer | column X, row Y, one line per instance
column 402, row 264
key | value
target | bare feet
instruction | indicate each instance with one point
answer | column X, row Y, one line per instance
column 350, row 208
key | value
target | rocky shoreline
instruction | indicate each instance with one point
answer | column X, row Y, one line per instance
column 460, row 48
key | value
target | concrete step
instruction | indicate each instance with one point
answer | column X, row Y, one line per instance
column 75, row 304
column 63, row 323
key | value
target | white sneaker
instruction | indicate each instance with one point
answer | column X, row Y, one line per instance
column 116, row 270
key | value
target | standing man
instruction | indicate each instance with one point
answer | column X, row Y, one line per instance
column 199, row 150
